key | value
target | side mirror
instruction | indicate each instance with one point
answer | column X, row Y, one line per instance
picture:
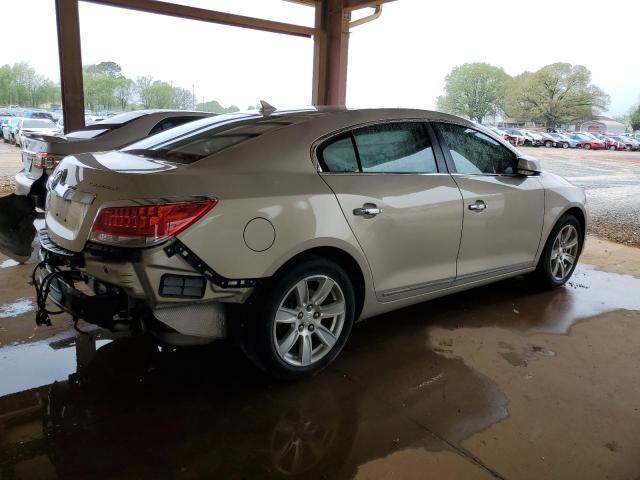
column 528, row 166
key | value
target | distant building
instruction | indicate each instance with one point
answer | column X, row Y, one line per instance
column 601, row 124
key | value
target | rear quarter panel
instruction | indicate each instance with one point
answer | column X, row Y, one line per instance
column 271, row 177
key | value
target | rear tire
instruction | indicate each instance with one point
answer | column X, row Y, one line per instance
column 565, row 145
column 561, row 252
column 548, row 144
column 613, row 148
column 300, row 322
column 587, row 146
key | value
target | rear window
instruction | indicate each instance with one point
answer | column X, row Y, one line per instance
column 36, row 123
column 85, row 134
column 195, row 140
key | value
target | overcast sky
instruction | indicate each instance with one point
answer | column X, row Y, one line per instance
column 400, row 59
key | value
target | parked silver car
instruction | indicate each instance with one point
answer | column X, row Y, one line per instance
column 41, row 153
column 283, row 228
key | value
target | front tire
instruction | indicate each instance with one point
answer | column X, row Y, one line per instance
column 548, row 144
column 301, row 321
column 560, row 255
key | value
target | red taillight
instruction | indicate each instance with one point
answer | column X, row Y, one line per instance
column 147, row 224
column 45, row 160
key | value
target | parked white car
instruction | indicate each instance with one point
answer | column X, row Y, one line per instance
column 34, row 126
column 284, row 228
column 41, row 153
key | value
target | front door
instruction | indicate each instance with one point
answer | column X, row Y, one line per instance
column 503, row 211
column 404, row 212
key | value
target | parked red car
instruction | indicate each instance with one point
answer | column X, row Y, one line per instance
column 587, row 142
column 610, row 143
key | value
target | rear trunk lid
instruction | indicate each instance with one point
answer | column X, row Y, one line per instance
column 82, row 183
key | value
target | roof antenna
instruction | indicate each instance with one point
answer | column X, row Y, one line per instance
column 266, row 108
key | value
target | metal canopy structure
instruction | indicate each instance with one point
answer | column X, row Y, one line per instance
column 330, row 36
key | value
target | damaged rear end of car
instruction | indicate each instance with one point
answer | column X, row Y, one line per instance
column 111, row 254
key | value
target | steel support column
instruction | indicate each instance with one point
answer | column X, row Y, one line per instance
column 69, row 51
column 330, row 55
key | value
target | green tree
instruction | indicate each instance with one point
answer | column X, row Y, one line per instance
column 124, row 91
column 111, row 69
column 556, row 94
column 142, row 88
column 215, row 107
column 474, row 90
column 160, row 95
column 634, row 119
column 101, row 81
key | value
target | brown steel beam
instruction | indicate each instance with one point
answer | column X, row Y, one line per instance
column 70, row 64
column 355, row 4
column 330, row 54
column 204, row 15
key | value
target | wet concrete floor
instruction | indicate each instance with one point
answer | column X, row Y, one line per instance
column 505, row 381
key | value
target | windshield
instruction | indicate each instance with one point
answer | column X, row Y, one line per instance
column 195, row 140
column 35, row 123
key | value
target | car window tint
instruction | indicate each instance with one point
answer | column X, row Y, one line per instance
column 171, row 122
column 338, row 155
column 179, row 144
column 474, row 152
column 395, row 148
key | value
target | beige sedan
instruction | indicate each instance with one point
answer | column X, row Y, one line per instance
column 282, row 228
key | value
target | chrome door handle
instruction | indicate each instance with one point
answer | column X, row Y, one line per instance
column 478, row 206
column 367, row 210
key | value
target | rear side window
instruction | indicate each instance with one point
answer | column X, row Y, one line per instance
column 398, row 147
column 338, row 155
column 395, row 148
column 473, row 152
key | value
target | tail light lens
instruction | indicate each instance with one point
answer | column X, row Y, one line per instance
column 146, row 224
column 46, row 161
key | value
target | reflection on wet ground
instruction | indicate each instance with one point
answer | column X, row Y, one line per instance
column 76, row 406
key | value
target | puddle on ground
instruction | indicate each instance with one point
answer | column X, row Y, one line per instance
column 9, row 262
column 519, row 304
column 98, row 407
column 19, row 307
column 30, row 365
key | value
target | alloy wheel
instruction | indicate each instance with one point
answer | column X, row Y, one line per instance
column 309, row 320
column 564, row 252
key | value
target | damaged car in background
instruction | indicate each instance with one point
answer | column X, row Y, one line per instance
column 282, row 228
column 43, row 147
column 42, row 152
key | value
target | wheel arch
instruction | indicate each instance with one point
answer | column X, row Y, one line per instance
column 579, row 214
column 342, row 258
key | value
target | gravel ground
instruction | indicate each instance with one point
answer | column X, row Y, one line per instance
column 611, row 179
column 612, row 183
column 10, row 163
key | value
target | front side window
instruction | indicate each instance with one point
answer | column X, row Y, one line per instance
column 473, row 152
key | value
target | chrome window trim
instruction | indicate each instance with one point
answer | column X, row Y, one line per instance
column 335, row 133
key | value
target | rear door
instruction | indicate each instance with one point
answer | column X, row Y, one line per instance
column 404, row 210
column 503, row 211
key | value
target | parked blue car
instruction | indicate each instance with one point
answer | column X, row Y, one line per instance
column 564, row 141
column 8, row 129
